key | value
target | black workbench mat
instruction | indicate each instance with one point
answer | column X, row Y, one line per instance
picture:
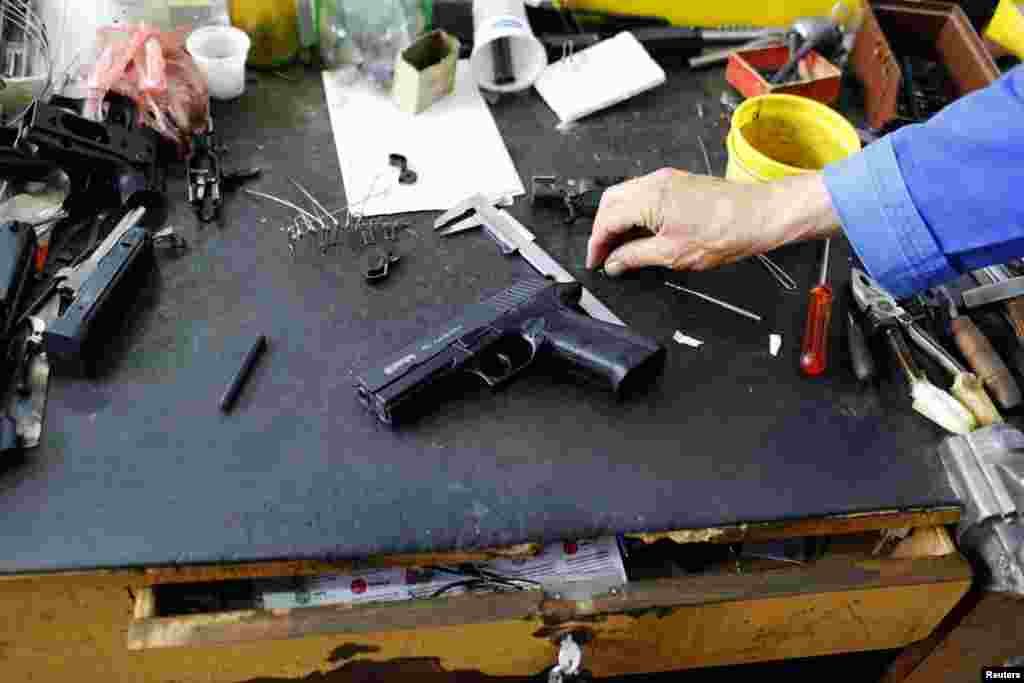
column 139, row 467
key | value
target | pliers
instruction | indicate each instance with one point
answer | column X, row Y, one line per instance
column 971, row 405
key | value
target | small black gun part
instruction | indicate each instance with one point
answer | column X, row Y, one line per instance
column 227, row 401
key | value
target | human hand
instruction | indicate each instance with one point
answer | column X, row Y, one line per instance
column 691, row 222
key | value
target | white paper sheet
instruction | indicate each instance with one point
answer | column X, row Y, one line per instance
column 454, row 147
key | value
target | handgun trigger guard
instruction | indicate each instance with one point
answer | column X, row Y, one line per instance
column 532, row 334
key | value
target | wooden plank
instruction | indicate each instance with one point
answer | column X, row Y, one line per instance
column 75, row 631
column 770, row 629
column 831, row 574
column 983, row 630
column 818, row 526
column 275, row 568
column 253, row 625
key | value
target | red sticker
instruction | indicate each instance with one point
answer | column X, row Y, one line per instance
column 570, row 547
column 358, row 586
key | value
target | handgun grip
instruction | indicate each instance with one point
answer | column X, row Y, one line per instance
column 611, row 355
column 988, row 365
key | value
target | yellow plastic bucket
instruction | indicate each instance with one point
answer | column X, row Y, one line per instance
column 774, row 136
column 1007, row 27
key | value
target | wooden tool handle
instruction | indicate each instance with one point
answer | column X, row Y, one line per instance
column 1015, row 312
column 984, row 360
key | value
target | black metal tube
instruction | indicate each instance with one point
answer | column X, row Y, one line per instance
column 227, row 401
column 504, row 71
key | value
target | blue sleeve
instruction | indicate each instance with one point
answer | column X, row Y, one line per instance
column 934, row 200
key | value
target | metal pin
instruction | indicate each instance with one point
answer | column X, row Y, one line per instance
column 314, row 202
column 780, row 275
column 719, row 302
column 707, row 159
column 282, row 202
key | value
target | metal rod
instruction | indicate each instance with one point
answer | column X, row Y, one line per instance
column 284, row 202
column 719, row 302
column 740, row 35
column 823, row 275
column 314, row 201
column 934, row 349
column 780, row 275
column 345, row 207
column 716, row 56
column 707, row 159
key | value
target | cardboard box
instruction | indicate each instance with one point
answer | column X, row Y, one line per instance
column 816, row 77
column 938, row 31
column 425, row 71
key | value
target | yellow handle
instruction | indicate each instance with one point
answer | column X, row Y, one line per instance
column 969, row 390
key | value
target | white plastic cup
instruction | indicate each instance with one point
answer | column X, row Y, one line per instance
column 220, row 52
column 494, row 19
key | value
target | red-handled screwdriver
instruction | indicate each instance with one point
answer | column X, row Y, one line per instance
column 814, row 350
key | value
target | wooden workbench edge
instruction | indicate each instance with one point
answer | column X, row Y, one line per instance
column 831, row 525
column 831, row 574
column 756, row 531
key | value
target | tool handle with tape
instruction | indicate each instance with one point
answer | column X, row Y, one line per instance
column 967, row 388
column 985, row 361
column 928, row 400
column 1015, row 315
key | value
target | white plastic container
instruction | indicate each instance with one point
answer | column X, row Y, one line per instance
column 220, row 52
column 494, row 19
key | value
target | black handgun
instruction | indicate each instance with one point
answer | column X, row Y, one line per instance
column 24, row 371
column 579, row 196
column 498, row 338
column 94, row 292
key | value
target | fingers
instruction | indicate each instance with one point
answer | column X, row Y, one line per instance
column 621, row 210
column 624, row 207
column 615, row 215
column 650, row 251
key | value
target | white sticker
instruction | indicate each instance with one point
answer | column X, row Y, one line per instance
column 774, row 344
column 687, row 340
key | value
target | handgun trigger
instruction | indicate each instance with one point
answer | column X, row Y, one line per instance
column 499, row 364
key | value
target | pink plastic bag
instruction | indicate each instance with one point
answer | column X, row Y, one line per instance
column 153, row 68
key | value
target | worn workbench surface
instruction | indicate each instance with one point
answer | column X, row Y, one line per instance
column 140, row 468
